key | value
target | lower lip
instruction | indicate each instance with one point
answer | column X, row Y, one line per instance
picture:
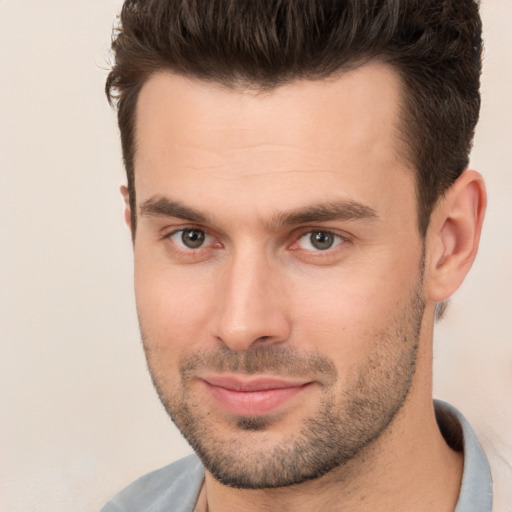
column 253, row 403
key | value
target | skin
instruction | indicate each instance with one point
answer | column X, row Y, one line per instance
column 252, row 171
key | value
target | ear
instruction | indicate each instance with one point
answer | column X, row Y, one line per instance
column 127, row 209
column 453, row 235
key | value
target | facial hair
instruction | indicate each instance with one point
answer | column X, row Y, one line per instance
column 350, row 415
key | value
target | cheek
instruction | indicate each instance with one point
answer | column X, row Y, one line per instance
column 342, row 315
column 336, row 323
column 173, row 307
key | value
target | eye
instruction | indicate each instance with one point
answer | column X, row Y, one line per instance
column 189, row 238
column 319, row 240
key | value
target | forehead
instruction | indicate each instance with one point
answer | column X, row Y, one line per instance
column 305, row 138
column 191, row 109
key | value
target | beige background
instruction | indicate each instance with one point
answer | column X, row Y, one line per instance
column 79, row 418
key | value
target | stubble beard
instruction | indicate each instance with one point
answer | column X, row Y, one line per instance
column 346, row 421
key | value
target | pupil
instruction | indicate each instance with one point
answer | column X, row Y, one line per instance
column 192, row 238
column 322, row 240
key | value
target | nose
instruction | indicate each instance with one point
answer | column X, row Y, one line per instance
column 252, row 307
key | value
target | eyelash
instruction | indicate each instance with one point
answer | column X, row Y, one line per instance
column 189, row 250
column 337, row 240
column 294, row 246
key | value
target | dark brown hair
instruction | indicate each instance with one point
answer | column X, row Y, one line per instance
column 434, row 45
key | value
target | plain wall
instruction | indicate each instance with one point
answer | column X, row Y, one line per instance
column 79, row 417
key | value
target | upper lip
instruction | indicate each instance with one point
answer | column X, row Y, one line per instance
column 261, row 383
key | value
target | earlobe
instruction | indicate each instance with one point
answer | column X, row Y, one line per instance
column 127, row 209
column 454, row 235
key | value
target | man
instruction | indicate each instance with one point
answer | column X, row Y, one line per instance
column 300, row 207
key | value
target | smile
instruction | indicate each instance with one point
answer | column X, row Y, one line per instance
column 252, row 397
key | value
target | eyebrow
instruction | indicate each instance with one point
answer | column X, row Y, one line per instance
column 164, row 207
column 331, row 211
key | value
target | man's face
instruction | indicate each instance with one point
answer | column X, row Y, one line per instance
column 278, row 269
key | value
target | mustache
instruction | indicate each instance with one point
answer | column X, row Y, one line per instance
column 275, row 360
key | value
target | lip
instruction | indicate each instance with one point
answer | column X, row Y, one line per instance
column 254, row 396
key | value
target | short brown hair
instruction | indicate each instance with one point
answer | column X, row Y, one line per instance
column 434, row 45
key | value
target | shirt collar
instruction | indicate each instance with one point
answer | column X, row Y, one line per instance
column 476, row 487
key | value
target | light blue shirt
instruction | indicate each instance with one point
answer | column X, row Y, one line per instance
column 175, row 488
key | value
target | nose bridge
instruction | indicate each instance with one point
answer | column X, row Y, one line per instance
column 251, row 309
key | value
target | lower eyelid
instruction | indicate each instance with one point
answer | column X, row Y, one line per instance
column 210, row 241
column 338, row 240
column 179, row 233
